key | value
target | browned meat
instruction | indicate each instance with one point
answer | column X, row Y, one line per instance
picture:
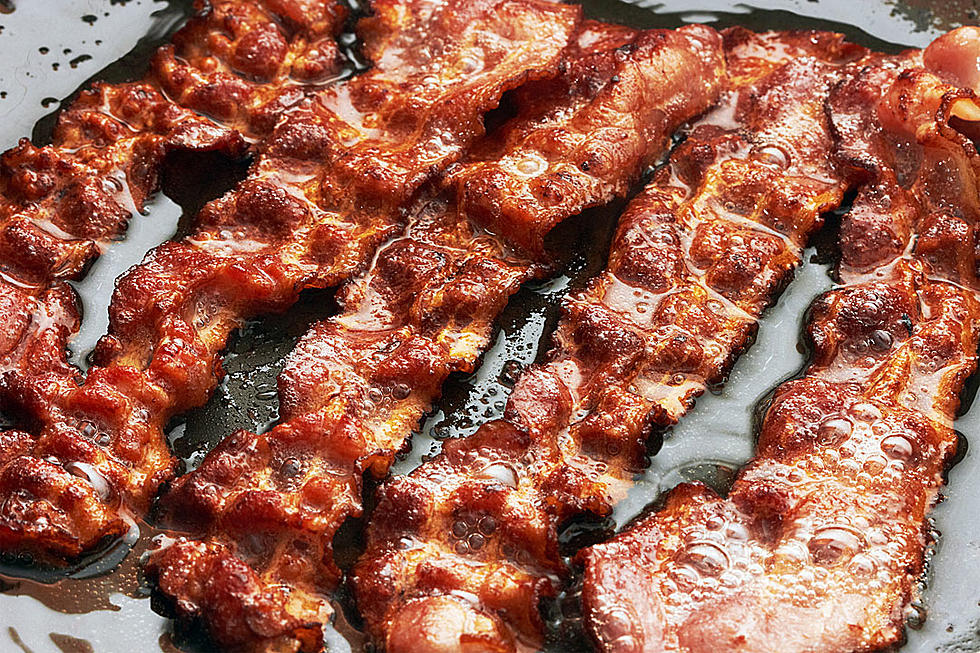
column 461, row 552
column 61, row 205
column 267, row 505
column 328, row 188
column 243, row 63
column 557, row 158
column 820, row 543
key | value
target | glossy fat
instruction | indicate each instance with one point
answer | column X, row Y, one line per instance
column 268, row 504
column 62, row 204
column 698, row 255
column 357, row 384
column 821, row 541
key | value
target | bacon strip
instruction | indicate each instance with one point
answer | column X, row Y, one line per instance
column 820, row 543
column 242, row 63
column 358, row 384
column 61, row 205
column 461, row 552
column 328, row 188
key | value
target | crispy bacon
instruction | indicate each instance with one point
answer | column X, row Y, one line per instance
column 328, row 187
column 62, row 204
column 358, row 384
column 244, row 63
column 526, row 181
column 821, row 541
column 461, row 552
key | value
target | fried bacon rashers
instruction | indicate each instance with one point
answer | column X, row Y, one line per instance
column 268, row 505
column 243, row 63
column 329, row 186
column 821, row 541
column 461, row 552
column 62, row 204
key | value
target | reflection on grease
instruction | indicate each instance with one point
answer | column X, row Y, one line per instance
column 109, row 612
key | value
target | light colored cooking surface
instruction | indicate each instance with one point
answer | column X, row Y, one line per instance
column 718, row 430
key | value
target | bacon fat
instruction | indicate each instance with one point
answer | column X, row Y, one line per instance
column 62, row 204
column 821, row 541
column 470, row 538
column 330, row 184
column 359, row 383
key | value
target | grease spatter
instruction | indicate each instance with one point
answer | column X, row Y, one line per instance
column 69, row 643
column 511, row 370
column 82, row 58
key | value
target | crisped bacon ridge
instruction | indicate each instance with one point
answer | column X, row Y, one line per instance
column 328, row 187
column 358, row 384
column 821, row 541
column 242, row 63
column 524, row 192
column 62, row 204
column 461, row 552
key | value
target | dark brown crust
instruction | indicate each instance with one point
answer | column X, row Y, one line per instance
column 821, row 541
column 62, row 204
column 470, row 538
column 357, row 384
column 326, row 190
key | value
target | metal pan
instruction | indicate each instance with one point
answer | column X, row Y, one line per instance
column 49, row 48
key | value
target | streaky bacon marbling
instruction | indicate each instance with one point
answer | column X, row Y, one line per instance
column 64, row 203
column 61, row 205
column 267, row 506
column 329, row 185
column 821, row 542
column 461, row 552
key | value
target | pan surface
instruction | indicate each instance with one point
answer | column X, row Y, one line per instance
column 49, row 48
